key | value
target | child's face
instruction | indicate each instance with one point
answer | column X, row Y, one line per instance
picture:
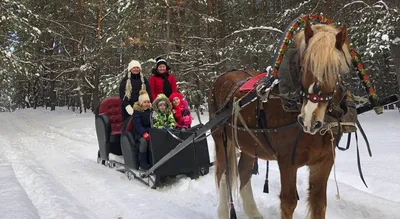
column 162, row 107
column 176, row 101
column 146, row 104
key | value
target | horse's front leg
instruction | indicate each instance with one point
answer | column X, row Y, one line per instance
column 319, row 174
column 246, row 192
column 288, row 187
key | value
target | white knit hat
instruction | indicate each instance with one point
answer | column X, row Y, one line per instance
column 143, row 95
column 128, row 86
column 134, row 63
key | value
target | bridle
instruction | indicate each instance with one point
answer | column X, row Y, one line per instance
column 316, row 96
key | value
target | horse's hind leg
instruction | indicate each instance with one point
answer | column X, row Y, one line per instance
column 288, row 187
column 246, row 192
column 319, row 174
column 220, row 176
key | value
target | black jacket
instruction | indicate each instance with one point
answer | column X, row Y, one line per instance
column 136, row 87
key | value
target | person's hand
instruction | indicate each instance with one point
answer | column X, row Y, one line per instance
column 146, row 136
column 129, row 109
column 187, row 120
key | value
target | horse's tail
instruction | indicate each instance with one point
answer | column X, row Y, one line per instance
column 224, row 164
column 233, row 169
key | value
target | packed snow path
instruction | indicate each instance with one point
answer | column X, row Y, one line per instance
column 48, row 162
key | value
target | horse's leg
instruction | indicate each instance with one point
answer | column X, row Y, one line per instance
column 246, row 192
column 220, row 176
column 319, row 174
column 288, row 187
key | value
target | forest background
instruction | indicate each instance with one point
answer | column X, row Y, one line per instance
column 58, row 53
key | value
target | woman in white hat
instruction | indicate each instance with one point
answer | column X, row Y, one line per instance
column 131, row 84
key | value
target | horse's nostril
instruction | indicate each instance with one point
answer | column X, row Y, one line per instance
column 317, row 125
column 300, row 120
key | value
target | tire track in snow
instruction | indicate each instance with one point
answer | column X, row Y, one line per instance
column 47, row 195
column 50, row 128
column 98, row 187
column 73, row 170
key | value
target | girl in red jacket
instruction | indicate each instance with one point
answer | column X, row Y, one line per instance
column 162, row 81
column 181, row 111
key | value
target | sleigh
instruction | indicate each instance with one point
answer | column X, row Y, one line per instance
column 116, row 137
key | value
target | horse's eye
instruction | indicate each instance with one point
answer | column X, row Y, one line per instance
column 316, row 89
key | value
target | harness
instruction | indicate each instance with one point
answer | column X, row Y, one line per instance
column 264, row 87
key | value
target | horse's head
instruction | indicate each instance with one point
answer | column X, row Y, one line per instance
column 324, row 56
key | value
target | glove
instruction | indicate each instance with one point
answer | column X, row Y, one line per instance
column 146, row 136
column 129, row 109
column 187, row 120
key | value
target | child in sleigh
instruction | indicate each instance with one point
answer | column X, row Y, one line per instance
column 181, row 111
column 163, row 115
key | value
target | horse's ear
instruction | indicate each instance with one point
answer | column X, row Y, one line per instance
column 308, row 32
column 341, row 37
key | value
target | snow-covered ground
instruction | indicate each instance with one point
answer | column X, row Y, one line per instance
column 48, row 170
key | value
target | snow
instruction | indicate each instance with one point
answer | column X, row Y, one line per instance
column 37, row 30
column 83, row 67
column 48, row 169
column 385, row 37
column 257, row 28
column 12, row 194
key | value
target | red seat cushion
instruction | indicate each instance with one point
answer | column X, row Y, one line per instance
column 129, row 127
column 111, row 107
column 249, row 85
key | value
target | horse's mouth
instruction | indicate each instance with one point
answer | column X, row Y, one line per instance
column 315, row 127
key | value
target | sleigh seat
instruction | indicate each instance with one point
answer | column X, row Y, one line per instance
column 108, row 121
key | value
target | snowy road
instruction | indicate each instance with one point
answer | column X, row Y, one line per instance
column 53, row 156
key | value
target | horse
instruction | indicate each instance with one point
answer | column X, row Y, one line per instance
column 323, row 58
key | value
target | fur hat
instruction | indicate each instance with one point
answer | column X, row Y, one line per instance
column 128, row 85
column 134, row 63
column 162, row 98
column 143, row 95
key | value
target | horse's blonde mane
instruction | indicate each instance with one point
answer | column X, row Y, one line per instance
column 321, row 57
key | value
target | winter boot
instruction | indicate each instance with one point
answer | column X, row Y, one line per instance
column 143, row 161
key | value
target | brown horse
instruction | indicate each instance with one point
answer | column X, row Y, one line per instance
column 324, row 56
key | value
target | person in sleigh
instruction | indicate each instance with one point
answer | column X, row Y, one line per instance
column 181, row 111
column 162, row 113
column 142, row 124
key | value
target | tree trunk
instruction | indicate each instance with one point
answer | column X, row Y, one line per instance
column 52, row 81
column 328, row 9
column 95, row 91
column 167, row 37
column 82, row 103
column 395, row 50
column 95, row 95
column 198, row 114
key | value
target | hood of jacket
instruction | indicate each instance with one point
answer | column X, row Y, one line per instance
column 162, row 97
